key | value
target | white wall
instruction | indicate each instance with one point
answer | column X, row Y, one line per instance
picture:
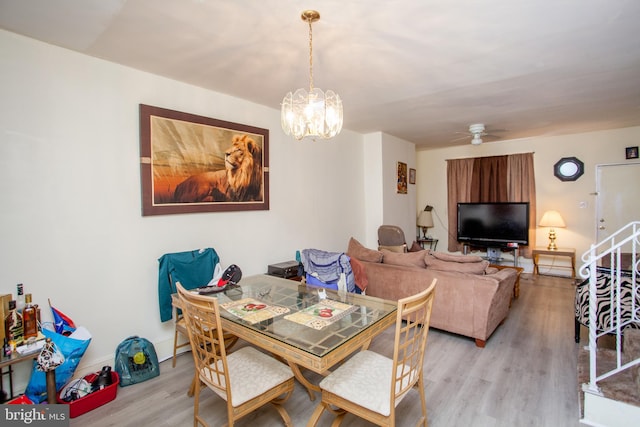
column 373, row 188
column 70, row 220
column 593, row 148
column 383, row 203
column 399, row 209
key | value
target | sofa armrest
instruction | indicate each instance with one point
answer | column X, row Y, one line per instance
column 501, row 300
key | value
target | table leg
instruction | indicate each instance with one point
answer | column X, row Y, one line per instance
column 311, row 388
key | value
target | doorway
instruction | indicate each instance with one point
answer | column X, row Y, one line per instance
column 617, row 198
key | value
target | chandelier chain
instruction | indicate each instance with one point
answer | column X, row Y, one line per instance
column 310, row 57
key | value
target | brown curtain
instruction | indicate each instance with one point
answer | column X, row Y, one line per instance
column 522, row 188
column 489, row 180
column 459, row 173
column 508, row 178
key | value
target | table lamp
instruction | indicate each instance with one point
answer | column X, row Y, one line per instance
column 552, row 219
column 425, row 220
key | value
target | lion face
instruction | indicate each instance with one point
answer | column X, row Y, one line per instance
column 236, row 155
column 243, row 161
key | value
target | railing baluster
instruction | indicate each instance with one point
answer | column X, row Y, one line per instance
column 611, row 247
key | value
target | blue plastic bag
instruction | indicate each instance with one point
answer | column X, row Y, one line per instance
column 72, row 348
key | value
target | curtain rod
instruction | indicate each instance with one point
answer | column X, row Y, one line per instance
column 484, row 157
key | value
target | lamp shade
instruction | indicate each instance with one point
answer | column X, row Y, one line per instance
column 552, row 219
column 425, row 219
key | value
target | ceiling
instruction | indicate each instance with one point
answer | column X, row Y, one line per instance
column 420, row 70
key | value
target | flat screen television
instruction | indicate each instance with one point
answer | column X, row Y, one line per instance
column 493, row 224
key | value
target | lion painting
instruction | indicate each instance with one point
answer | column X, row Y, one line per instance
column 240, row 181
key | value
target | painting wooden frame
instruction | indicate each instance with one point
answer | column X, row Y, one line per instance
column 412, row 176
column 191, row 163
column 631, row 152
column 402, row 178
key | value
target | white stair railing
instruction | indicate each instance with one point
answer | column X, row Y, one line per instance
column 622, row 241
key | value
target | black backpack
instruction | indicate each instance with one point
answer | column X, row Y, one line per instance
column 136, row 361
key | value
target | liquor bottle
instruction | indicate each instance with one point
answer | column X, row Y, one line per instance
column 13, row 324
column 29, row 319
column 20, row 297
column 39, row 322
column 6, row 348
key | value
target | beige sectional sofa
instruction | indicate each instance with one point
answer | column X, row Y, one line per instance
column 472, row 299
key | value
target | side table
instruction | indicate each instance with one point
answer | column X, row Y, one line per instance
column 8, row 362
column 567, row 252
column 433, row 243
column 516, row 288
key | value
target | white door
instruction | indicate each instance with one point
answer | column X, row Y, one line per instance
column 618, row 198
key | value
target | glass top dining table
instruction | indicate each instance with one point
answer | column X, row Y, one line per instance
column 307, row 326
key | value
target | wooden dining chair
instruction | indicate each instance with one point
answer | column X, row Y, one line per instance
column 246, row 379
column 180, row 328
column 370, row 385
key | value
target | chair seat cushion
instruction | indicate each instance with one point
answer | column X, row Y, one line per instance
column 252, row 373
column 365, row 380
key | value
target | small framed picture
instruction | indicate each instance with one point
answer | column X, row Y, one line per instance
column 402, row 178
column 412, row 176
column 632, row 152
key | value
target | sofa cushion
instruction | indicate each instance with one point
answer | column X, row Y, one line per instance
column 409, row 259
column 444, row 256
column 491, row 270
column 356, row 250
column 477, row 267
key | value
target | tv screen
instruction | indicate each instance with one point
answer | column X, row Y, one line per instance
column 493, row 224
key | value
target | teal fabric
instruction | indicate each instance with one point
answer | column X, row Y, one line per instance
column 191, row 268
column 132, row 370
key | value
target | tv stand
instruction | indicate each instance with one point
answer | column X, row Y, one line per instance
column 494, row 254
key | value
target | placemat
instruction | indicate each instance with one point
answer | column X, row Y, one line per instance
column 322, row 314
column 252, row 310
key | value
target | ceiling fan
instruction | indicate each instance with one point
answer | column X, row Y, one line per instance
column 477, row 132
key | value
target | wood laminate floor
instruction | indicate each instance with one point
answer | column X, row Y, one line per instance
column 525, row 376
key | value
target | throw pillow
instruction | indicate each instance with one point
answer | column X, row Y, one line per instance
column 410, row 259
column 356, row 250
column 415, row 247
column 359, row 274
column 461, row 267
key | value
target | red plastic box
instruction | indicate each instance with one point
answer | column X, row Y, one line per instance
column 20, row 400
column 93, row 400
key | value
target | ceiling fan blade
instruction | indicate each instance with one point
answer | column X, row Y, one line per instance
column 462, row 137
column 488, row 135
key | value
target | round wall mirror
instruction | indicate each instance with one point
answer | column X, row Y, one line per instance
column 568, row 169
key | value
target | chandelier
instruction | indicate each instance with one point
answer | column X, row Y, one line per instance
column 314, row 113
